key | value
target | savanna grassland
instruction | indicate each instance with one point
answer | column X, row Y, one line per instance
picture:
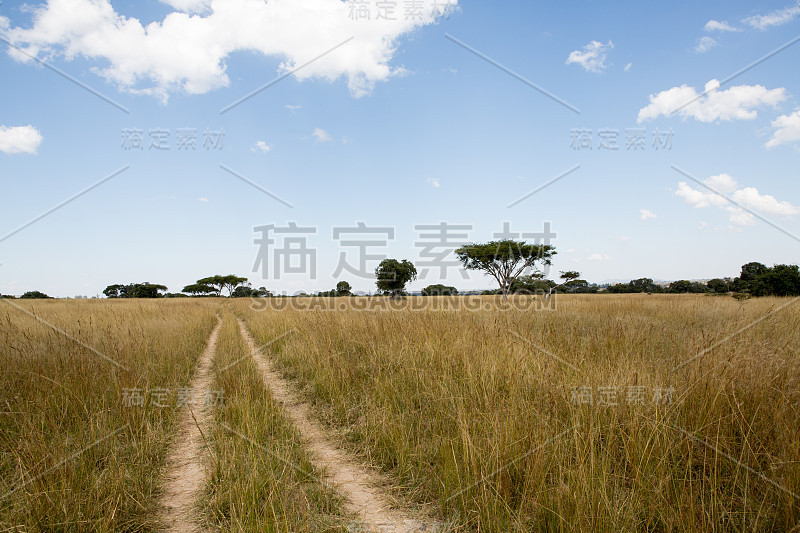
column 597, row 413
column 595, row 416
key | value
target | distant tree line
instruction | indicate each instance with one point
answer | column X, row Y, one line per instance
column 30, row 295
column 342, row 289
column 506, row 261
column 235, row 286
column 756, row 279
column 135, row 290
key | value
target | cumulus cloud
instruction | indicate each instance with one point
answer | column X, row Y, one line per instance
column 705, row 44
column 262, row 147
column 737, row 103
column 19, row 139
column 322, row 135
column 644, row 214
column 434, row 182
column 189, row 6
column 787, row 129
column 186, row 51
column 593, row 56
column 775, row 18
column 715, row 25
column 722, row 183
column 598, row 257
column 747, row 197
column 204, row 200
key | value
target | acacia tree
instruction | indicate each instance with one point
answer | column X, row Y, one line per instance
column 392, row 276
column 229, row 283
column 505, row 260
column 571, row 280
column 198, row 289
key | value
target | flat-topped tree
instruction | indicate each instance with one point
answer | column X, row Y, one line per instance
column 572, row 282
column 198, row 289
column 229, row 283
column 505, row 260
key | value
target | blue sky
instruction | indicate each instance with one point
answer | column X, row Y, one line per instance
column 400, row 126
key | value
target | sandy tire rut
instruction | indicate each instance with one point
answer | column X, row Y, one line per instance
column 359, row 486
column 185, row 468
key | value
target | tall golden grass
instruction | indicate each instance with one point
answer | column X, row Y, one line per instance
column 261, row 478
column 73, row 455
column 692, row 423
column 606, row 413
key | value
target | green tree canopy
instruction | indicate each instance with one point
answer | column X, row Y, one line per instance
column 530, row 284
column 439, row 290
column 35, row 295
column 684, row 285
column 246, row 291
column 343, row 289
column 220, row 283
column 135, row 290
column 505, row 260
column 718, row 285
column 392, row 275
column 199, row 289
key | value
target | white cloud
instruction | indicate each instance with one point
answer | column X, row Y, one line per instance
column 571, row 251
column 715, row 25
column 624, row 239
column 775, row 18
column 293, row 108
column 748, row 197
column 322, row 135
column 19, row 139
column 644, row 214
column 737, row 103
column 628, row 67
column 723, row 183
column 787, row 129
column 593, row 57
column 261, row 146
column 702, row 225
column 705, row 44
column 434, row 182
column 598, row 257
column 190, row 6
column 205, row 200
column 187, row 52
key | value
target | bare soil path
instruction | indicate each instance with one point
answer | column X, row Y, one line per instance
column 186, row 476
column 361, row 487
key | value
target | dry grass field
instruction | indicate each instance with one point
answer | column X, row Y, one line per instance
column 77, row 452
column 599, row 413
column 596, row 416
